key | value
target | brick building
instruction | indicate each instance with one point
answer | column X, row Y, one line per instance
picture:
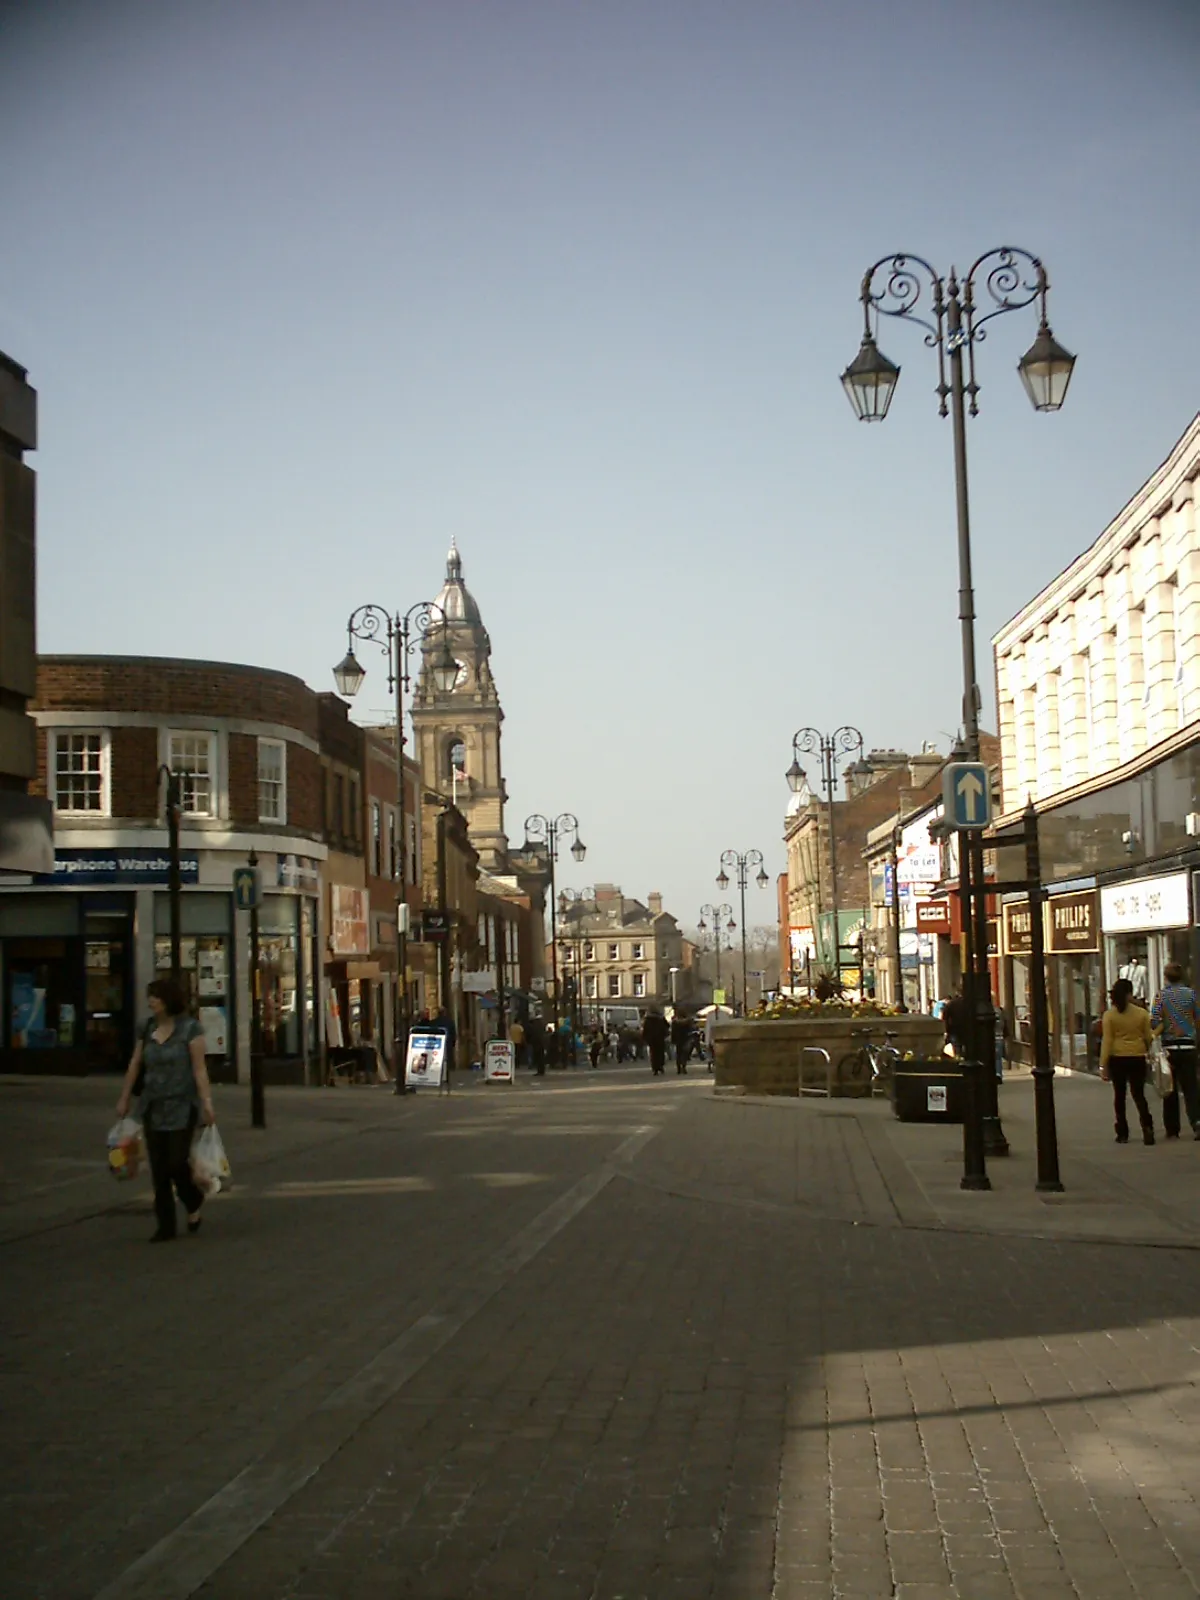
column 79, row 945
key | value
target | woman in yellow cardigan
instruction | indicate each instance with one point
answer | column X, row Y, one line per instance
column 1123, row 1047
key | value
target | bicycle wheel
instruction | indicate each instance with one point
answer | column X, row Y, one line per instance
column 853, row 1073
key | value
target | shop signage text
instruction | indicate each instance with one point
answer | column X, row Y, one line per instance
column 1073, row 923
column 1145, row 903
column 118, row 866
column 1018, row 929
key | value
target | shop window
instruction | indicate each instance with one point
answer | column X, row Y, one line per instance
column 272, row 780
column 204, row 963
column 81, row 773
column 43, row 994
column 193, row 756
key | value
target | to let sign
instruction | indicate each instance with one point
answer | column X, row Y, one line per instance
column 1073, row 923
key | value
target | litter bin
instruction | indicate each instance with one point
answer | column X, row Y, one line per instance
column 928, row 1091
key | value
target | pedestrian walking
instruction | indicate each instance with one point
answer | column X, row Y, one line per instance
column 168, row 1063
column 516, row 1033
column 1175, row 1017
column 537, row 1045
column 681, row 1038
column 956, row 1021
column 710, row 1025
column 654, row 1032
column 595, row 1045
column 1125, row 1041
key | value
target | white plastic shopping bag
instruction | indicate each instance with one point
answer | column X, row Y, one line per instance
column 210, row 1164
column 126, row 1149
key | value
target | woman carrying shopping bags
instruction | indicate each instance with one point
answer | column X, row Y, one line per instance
column 176, row 1093
column 1124, row 1045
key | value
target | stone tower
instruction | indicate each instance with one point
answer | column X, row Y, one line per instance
column 457, row 732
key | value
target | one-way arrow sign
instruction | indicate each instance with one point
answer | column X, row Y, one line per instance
column 967, row 794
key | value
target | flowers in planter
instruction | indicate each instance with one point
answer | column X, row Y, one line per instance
column 785, row 1006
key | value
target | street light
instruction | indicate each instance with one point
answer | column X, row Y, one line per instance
column 546, row 830
column 1007, row 279
column 570, row 904
column 831, row 747
column 398, row 636
column 742, row 861
column 721, row 918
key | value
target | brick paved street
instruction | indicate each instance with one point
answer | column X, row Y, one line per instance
column 600, row 1339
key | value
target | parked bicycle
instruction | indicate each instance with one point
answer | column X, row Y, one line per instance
column 870, row 1063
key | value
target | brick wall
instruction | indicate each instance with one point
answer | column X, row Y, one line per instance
column 134, row 755
column 243, row 779
column 304, row 788
column 168, row 687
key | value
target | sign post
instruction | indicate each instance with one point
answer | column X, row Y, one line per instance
column 967, row 795
column 499, row 1058
column 247, row 896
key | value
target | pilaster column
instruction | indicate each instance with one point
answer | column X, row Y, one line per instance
column 1131, row 677
column 1104, row 732
column 1158, row 660
column 1046, row 722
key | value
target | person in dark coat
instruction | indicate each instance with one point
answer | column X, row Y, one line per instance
column 681, row 1038
column 654, row 1032
column 956, row 1021
column 537, row 1045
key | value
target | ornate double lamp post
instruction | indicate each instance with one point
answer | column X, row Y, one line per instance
column 1001, row 280
column 830, row 747
column 397, row 635
column 541, row 830
column 742, row 861
column 572, row 938
column 721, row 919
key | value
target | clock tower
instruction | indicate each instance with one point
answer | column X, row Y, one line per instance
column 457, row 731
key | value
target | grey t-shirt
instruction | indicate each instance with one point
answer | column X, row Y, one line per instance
column 169, row 1096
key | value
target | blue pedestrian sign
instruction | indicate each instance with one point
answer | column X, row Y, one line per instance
column 247, row 888
column 967, row 794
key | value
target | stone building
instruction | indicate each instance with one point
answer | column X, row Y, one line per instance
column 1098, row 687
column 620, row 951
column 26, row 823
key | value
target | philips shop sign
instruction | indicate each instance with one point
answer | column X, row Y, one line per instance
column 130, row 867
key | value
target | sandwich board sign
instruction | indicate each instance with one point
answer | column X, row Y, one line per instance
column 499, row 1058
column 425, row 1066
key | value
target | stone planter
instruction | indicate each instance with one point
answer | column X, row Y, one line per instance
column 764, row 1057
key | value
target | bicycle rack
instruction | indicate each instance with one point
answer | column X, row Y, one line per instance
column 816, row 1050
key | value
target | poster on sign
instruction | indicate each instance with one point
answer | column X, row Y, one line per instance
column 499, row 1058
column 425, row 1066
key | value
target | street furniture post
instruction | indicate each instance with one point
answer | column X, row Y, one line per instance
column 1048, row 1179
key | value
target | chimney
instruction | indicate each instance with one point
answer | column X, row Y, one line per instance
column 654, row 900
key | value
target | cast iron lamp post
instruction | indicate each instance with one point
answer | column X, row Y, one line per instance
column 398, row 636
column 573, row 940
column 546, row 830
column 743, row 861
column 722, row 921
column 831, row 747
column 1006, row 279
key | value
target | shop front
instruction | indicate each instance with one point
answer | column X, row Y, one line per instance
column 1146, row 923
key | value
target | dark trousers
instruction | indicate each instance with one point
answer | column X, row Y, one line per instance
column 1183, row 1077
column 658, row 1055
column 1129, row 1072
column 170, row 1152
column 682, row 1051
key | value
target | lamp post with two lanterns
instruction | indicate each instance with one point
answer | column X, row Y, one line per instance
column 541, row 830
column 398, row 635
column 742, row 861
column 721, row 918
column 831, row 747
column 573, row 944
column 999, row 281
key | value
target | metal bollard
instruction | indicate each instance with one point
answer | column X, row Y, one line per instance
column 974, row 1160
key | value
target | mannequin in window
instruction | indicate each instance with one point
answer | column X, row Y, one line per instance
column 1134, row 971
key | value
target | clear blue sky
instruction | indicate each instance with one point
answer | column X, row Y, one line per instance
column 308, row 288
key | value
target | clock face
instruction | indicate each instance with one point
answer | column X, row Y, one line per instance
column 464, row 672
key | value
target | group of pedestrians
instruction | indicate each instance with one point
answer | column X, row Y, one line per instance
column 1127, row 1038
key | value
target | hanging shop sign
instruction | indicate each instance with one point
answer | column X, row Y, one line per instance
column 1073, row 923
column 1018, row 928
column 933, row 916
column 118, row 866
column 1145, row 904
column 436, row 924
column 350, row 918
